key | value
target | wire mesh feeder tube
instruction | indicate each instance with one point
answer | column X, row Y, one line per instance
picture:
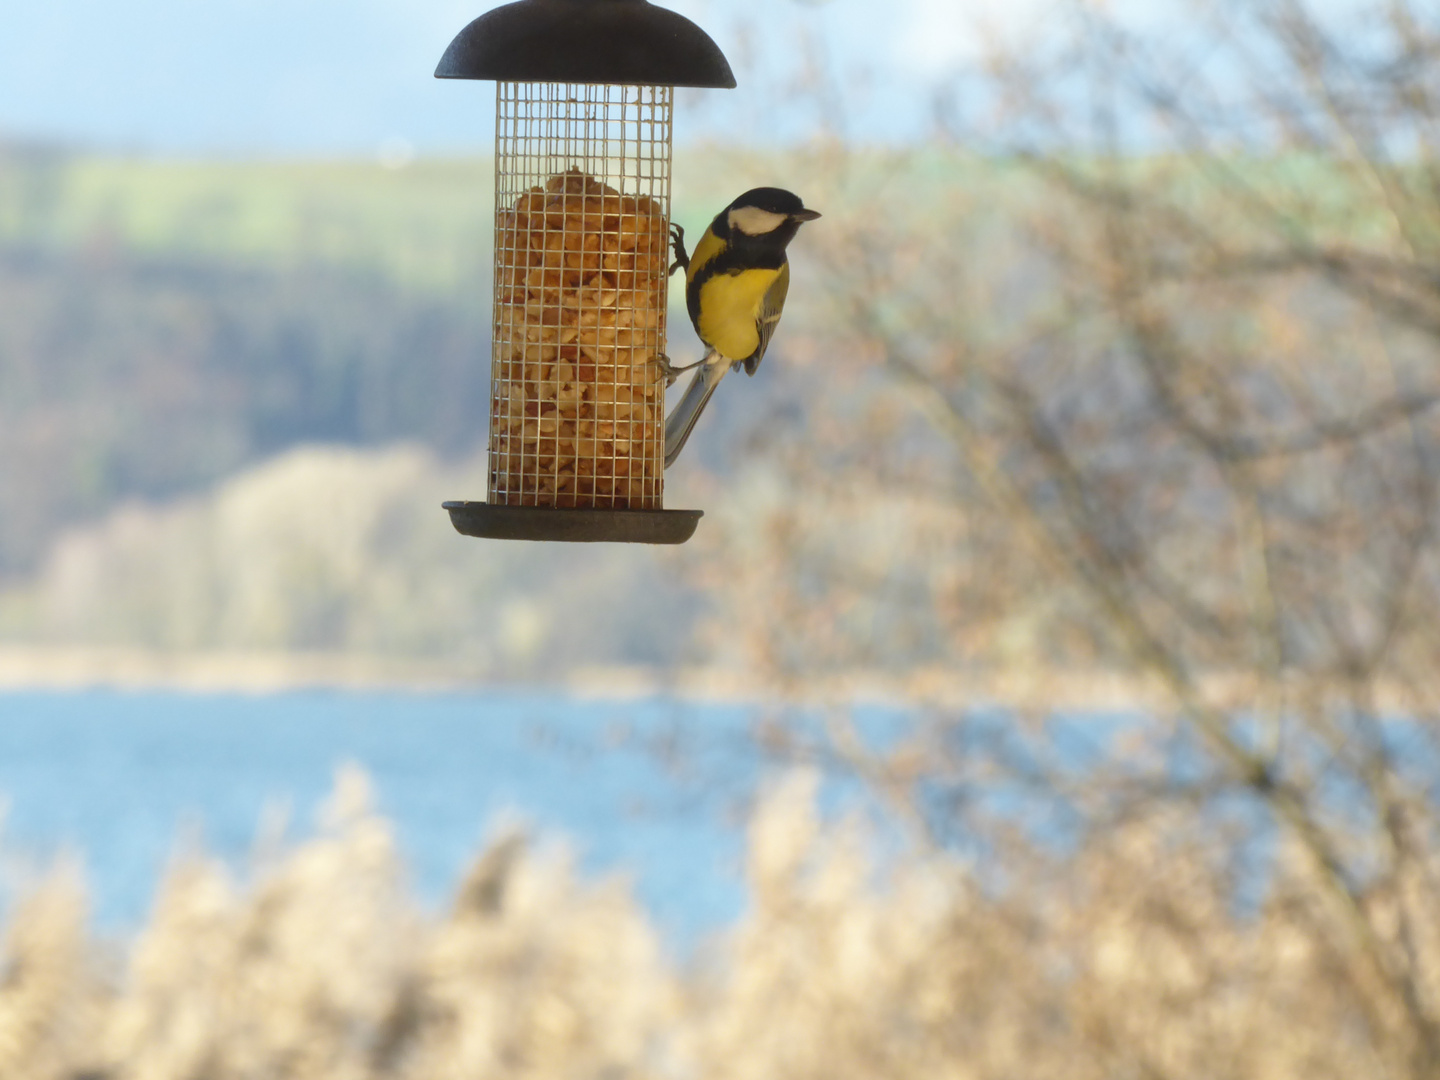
column 582, row 191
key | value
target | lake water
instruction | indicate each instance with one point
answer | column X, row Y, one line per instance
column 652, row 787
column 656, row 789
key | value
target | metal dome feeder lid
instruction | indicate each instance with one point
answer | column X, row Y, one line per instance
column 631, row 42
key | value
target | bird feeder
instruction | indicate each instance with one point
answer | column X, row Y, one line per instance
column 583, row 105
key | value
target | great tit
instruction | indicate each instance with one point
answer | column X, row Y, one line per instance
column 735, row 286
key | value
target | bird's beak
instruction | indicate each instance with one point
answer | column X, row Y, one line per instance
column 805, row 215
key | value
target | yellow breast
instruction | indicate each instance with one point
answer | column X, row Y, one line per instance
column 709, row 246
column 730, row 310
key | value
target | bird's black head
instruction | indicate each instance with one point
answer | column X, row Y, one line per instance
column 766, row 213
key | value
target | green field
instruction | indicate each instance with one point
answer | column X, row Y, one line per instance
column 424, row 226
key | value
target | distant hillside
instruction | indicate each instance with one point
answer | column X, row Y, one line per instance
column 126, row 374
column 328, row 550
column 426, row 226
column 164, row 324
column 173, row 334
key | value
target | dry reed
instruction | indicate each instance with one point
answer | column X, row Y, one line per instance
column 1126, row 957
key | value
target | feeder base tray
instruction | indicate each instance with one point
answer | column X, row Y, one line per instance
column 574, row 526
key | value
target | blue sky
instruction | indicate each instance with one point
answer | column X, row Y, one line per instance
column 319, row 77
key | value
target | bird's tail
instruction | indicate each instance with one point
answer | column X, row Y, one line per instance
column 682, row 418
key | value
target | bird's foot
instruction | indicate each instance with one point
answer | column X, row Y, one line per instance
column 677, row 241
column 670, row 371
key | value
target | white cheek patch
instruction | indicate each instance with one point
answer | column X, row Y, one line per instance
column 753, row 221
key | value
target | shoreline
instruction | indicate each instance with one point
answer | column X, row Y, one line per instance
column 60, row 669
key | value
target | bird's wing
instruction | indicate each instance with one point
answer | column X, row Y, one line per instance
column 769, row 317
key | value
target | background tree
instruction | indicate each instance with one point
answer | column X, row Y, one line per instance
column 1147, row 397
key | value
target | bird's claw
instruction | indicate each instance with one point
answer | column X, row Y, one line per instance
column 666, row 368
column 669, row 370
column 677, row 241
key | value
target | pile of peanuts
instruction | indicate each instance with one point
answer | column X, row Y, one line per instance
column 580, row 292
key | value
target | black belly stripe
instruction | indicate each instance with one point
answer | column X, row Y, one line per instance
column 729, row 261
